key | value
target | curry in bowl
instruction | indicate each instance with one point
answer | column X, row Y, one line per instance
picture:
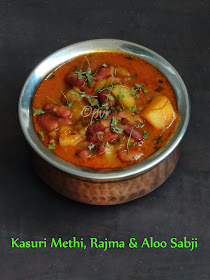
column 105, row 110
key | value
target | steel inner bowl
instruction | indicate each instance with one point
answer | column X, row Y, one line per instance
column 70, row 52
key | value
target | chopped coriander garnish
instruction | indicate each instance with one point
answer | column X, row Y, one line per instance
column 133, row 93
column 108, row 87
column 85, row 74
column 37, row 112
column 146, row 135
column 129, row 144
column 105, row 106
column 79, row 94
column 51, row 146
column 114, row 121
column 110, row 97
column 88, row 71
column 134, row 77
column 68, row 103
column 80, row 74
column 41, row 134
column 121, row 90
column 94, row 102
column 114, row 127
column 105, row 65
column 141, row 88
column 90, row 78
column 76, row 93
column 82, row 93
column 134, row 109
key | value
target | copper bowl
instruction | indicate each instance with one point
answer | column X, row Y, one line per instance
column 96, row 186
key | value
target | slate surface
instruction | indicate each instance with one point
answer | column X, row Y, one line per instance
column 177, row 30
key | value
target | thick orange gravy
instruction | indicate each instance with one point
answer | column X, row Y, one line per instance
column 121, row 87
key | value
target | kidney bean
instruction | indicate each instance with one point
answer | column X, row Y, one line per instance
column 92, row 130
column 92, row 138
column 126, row 156
column 109, row 136
column 48, row 122
column 103, row 73
column 72, row 80
column 136, row 134
column 96, row 127
column 103, row 98
column 84, row 154
column 59, row 111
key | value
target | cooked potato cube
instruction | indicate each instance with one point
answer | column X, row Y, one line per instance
column 159, row 112
column 105, row 82
column 73, row 94
column 124, row 94
column 76, row 109
column 122, row 72
column 109, row 153
column 69, row 140
column 82, row 131
column 65, row 128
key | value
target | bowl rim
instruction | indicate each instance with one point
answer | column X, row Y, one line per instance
column 33, row 81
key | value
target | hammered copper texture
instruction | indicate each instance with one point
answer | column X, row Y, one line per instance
column 105, row 193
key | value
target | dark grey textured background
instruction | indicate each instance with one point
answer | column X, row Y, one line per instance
column 177, row 30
